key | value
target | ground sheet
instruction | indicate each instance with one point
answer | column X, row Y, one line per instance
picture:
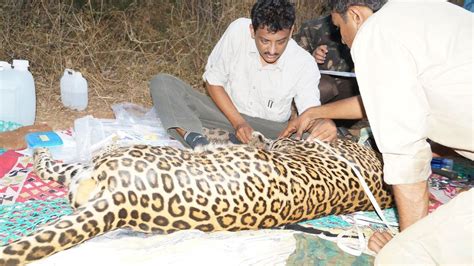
column 27, row 202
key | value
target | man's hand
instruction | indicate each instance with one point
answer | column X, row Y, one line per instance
column 412, row 205
column 320, row 53
column 320, row 128
column 298, row 126
column 243, row 131
column 378, row 240
column 323, row 129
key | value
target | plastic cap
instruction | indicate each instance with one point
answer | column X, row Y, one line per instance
column 73, row 73
column 21, row 64
column 68, row 71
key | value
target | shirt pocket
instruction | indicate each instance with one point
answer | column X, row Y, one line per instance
column 275, row 104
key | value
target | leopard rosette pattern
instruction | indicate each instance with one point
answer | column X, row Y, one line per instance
column 237, row 187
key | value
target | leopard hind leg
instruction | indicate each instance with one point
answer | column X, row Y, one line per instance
column 83, row 188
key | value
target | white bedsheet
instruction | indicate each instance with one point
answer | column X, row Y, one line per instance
column 190, row 247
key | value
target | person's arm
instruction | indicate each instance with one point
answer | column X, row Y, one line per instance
column 349, row 108
column 307, row 97
column 220, row 97
column 412, row 202
column 217, row 74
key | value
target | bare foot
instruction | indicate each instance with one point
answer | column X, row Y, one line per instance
column 378, row 240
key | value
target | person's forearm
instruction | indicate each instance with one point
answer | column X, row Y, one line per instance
column 225, row 104
column 349, row 108
column 412, row 202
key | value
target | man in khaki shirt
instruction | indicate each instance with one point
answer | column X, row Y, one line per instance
column 413, row 62
column 252, row 76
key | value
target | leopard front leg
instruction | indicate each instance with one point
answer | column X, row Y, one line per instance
column 77, row 177
column 48, row 169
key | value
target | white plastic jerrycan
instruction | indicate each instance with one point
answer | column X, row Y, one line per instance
column 17, row 93
column 74, row 90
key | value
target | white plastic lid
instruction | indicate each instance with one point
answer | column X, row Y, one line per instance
column 20, row 64
column 68, row 71
column 75, row 74
column 5, row 65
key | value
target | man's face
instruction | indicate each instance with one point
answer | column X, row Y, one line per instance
column 347, row 27
column 271, row 45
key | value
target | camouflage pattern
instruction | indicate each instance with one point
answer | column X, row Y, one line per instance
column 320, row 31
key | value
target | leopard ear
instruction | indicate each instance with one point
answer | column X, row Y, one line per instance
column 261, row 137
column 258, row 140
column 258, row 135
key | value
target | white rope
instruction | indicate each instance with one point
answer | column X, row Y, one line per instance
column 363, row 183
column 347, row 245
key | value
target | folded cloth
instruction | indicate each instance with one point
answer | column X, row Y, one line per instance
column 15, row 140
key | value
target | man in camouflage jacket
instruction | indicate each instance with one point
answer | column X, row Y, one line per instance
column 323, row 40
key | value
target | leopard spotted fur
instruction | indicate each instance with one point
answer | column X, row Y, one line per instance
column 238, row 187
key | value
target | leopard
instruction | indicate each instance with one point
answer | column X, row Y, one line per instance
column 162, row 189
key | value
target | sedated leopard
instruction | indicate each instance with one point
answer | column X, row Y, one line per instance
column 236, row 187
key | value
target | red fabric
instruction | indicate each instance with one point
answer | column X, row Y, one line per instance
column 8, row 161
column 18, row 183
column 38, row 189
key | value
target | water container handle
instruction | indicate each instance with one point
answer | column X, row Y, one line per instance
column 4, row 65
column 21, row 65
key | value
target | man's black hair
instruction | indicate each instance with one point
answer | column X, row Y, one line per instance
column 341, row 6
column 276, row 15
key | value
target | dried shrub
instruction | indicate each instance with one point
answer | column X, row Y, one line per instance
column 117, row 45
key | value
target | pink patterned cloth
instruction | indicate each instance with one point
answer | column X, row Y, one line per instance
column 18, row 183
column 443, row 189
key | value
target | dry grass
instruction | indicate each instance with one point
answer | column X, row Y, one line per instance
column 117, row 45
